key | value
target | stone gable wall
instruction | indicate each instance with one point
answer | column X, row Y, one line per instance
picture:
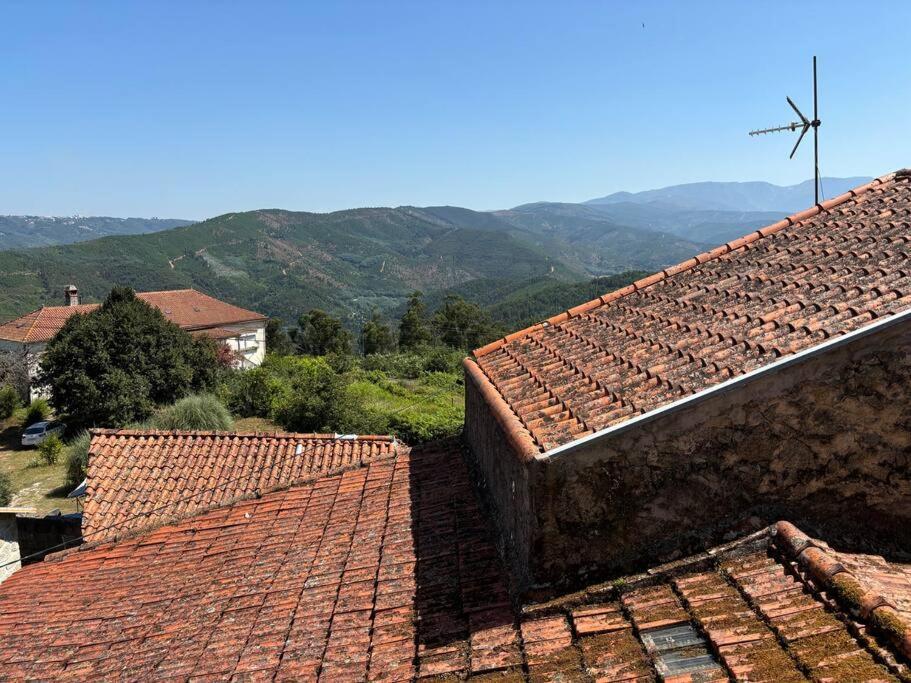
column 824, row 442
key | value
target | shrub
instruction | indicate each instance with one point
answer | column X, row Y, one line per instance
column 315, row 398
column 6, row 489
column 38, row 411
column 50, row 450
column 9, row 401
column 201, row 412
column 77, row 458
column 416, row 428
column 252, row 393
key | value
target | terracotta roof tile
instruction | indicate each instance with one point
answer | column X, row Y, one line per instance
column 388, row 572
column 187, row 308
column 140, row 478
column 816, row 275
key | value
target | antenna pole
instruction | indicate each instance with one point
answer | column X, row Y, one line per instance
column 803, row 126
column 815, row 132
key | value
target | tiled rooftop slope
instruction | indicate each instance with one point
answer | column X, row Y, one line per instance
column 184, row 307
column 388, row 572
column 138, row 479
column 813, row 276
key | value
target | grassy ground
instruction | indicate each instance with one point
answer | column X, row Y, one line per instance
column 415, row 409
column 40, row 487
column 256, row 424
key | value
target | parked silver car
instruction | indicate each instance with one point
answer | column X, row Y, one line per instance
column 39, row 431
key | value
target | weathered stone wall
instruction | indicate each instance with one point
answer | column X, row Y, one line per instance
column 824, row 442
column 9, row 545
column 505, row 478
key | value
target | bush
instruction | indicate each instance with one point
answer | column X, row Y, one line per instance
column 416, row 428
column 252, row 393
column 9, row 401
column 6, row 489
column 38, row 411
column 315, row 398
column 77, row 458
column 50, row 450
column 202, row 412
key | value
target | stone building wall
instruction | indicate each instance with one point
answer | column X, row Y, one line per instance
column 823, row 440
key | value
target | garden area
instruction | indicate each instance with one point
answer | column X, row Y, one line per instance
column 126, row 366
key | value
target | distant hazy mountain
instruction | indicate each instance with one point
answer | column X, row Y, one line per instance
column 749, row 196
column 22, row 232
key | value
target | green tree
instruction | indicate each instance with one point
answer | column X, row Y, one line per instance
column 376, row 337
column 463, row 325
column 413, row 328
column 113, row 366
column 313, row 398
column 320, row 334
column 9, row 401
column 277, row 339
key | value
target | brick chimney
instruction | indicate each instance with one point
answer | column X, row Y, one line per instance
column 71, row 295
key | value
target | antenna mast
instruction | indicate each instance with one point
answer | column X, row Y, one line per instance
column 803, row 125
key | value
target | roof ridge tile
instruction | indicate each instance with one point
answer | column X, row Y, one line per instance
column 817, row 560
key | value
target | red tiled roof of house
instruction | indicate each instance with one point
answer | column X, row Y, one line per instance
column 187, row 308
column 41, row 325
column 389, row 572
column 816, row 275
column 141, row 478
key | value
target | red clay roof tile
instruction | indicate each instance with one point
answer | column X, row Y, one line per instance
column 187, row 308
column 777, row 291
column 141, row 478
column 388, row 571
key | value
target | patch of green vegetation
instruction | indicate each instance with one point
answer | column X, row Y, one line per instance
column 38, row 486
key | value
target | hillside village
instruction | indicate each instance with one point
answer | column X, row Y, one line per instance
column 699, row 475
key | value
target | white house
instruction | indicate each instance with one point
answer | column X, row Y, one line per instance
column 22, row 340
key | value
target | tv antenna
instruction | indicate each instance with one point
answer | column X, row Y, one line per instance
column 803, row 126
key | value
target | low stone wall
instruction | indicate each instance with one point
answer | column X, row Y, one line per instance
column 824, row 441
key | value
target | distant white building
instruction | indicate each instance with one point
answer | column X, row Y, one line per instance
column 22, row 341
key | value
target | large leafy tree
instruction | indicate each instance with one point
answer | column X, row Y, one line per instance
column 463, row 325
column 376, row 337
column 319, row 334
column 277, row 340
column 413, row 328
column 114, row 365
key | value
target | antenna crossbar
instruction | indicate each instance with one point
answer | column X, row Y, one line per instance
column 804, row 125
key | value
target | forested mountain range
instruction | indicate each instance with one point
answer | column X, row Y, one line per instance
column 519, row 263
column 347, row 262
column 22, row 232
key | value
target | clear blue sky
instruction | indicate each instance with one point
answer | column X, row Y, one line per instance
column 191, row 109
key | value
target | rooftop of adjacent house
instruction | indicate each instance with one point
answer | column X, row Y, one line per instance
column 388, row 571
column 814, row 276
column 188, row 308
column 141, row 478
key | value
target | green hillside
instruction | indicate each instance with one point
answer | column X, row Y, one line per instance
column 281, row 262
column 347, row 262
